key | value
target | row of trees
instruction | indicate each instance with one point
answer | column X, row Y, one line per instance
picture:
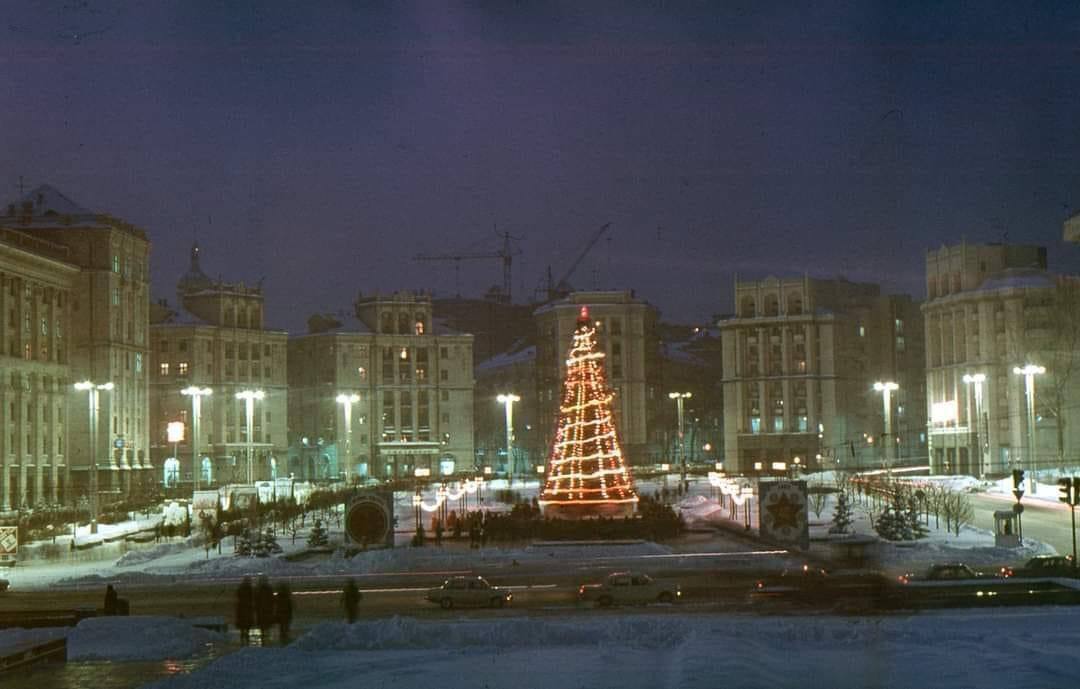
column 899, row 510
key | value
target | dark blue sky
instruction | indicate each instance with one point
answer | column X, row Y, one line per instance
column 322, row 147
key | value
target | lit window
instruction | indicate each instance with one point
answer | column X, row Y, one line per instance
column 363, row 373
column 182, row 368
column 115, row 263
column 138, row 362
column 862, row 331
column 419, row 328
column 164, row 369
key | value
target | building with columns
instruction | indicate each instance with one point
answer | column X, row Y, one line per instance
column 76, row 299
column 993, row 308
column 412, row 379
column 800, row 359
column 217, row 339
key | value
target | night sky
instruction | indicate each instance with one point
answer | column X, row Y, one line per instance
column 321, row 148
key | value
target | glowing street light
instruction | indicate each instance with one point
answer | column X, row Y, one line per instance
column 679, row 397
column 347, row 400
column 249, row 397
column 196, row 394
column 976, row 380
column 508, row 400
column 886, row 388
column 93, row 389
column 1029, row 372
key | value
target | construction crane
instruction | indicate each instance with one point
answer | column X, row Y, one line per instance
column 558, row 288
column 506, row 253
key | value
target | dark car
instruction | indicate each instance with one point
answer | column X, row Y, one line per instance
column 815, row 585
column 4, row 585
column 952, row 571
column 1044, row 566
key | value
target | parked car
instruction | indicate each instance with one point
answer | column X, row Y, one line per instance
column 469, row 592
column 4, row 583
column 1044, row 566
column 620, row 588
column 952, row 571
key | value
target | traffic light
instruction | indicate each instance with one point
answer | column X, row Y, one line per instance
column 1069, row 491
column 1018, row 478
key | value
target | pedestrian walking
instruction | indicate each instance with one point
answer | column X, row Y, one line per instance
column 245, row 610
column 110, row 600
column 350, row 600
column 283, row 611
column 264, row 609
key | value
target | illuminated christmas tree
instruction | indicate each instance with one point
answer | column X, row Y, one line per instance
column 587, row 476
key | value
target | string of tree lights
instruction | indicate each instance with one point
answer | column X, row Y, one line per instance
column 587, row 474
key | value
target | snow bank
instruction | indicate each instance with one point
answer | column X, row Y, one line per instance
column 137, row 638
column 1024, row 647
column 405, row 633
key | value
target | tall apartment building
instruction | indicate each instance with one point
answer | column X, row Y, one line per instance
column 992, row 308
column 801, row 357
column 217, row 339
column 76, row 298
column 627, row 334
column 413, row 383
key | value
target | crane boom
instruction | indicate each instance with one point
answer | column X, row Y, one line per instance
column 506, row 253
column 577, row 261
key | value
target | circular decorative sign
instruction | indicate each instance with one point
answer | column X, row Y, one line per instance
column 368, row 521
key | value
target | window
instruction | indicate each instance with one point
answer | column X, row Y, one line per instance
column 444, row 375
column 444, row 352
column 27, row 354
column 44, row 326
column 116, row 296
column 444, row 395
column 362, row 373
column 115, row 263
column 138, row 362
column 862, row 331
column 616, row 326
column 182, row 368
column 163, row 369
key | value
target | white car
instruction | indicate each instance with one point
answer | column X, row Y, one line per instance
column 469, row 591
column 629, row 587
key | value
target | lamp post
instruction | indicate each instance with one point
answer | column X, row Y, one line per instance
column 976, row 380
column 93, row 389
column 347, row 400
column 679, row 397
column 886, row 388
column 196, row 394
column 508, row 401
column 1029, row 372
column 249, row 397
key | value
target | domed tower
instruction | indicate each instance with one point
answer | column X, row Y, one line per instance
column 194, row 280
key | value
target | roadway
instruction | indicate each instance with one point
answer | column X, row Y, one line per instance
column 1043, row 521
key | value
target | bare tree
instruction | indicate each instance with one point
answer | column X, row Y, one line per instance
column 818, row 495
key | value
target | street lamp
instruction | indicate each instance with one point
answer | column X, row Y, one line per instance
column 1029, row 372
column 679, row 397
column 249, row 397
column 347, row 400
column 976, row 380
column 93, row 389
column 886, row 388
column 508, row 400
column 196, row 394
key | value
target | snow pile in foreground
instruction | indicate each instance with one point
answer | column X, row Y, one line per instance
column 985, row 648
column 406, row 633
column 137, row 638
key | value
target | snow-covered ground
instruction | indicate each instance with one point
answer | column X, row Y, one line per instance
column 988, row 648
column 122, row 638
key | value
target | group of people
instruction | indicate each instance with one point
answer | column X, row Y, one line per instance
column 260, row 606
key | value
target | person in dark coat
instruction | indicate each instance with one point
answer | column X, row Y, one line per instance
column 110, row 600
column 283, row 611
column 264, row 608
column 350, row 600
column 245, row 609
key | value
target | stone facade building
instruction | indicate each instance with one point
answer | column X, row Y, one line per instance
column 413, row 384
column 76, row 298
column 992, row 308
column 801, row 356
column 217, row 339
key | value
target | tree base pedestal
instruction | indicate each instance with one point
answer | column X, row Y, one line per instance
column 619, row 510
